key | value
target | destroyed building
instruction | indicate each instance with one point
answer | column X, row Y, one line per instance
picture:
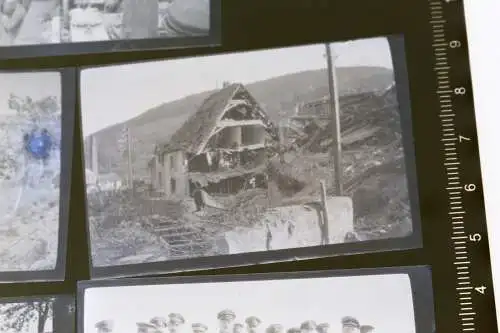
column 222, row 148
column 372, row 116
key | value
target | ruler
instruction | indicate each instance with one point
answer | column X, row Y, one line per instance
column 475, row 310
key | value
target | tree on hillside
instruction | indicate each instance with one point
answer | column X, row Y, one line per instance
column 19, row 316
column 26, row 107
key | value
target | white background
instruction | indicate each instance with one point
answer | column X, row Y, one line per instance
column 483, row 30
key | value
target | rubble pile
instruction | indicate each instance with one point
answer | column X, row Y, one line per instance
column 372, row 160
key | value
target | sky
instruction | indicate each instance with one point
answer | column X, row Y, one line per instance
column 113, row 94
column 37, row 85
column 383, row 301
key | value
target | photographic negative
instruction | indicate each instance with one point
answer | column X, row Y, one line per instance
column 98, row 20
column 39, row 22
column 48, row 314
column 25, row 22
column 248, row 153
column 337, row 301
column 32, row 182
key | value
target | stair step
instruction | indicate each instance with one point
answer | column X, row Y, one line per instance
column 187, row 238
column 176, row 231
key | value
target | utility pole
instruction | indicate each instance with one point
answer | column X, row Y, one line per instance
column 129, row 159
column 324, row 222
column 282, row 127
column 94, row 154
column 335, row 119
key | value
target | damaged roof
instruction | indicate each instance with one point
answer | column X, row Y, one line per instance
column 194, row 132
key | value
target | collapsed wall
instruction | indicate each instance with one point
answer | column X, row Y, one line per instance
column 292, row 227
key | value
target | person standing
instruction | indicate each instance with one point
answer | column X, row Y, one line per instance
column 309, row 326
column 323, row 328
column 238, row 328
column 366, row 329
column 199, row 328
column 269, row 237
column 104, row 326
column 113, row 6
column 253, row 324
column 226, row 318
column 197, row 195
column 350, row 325
column 275, row 328
column 147, row 328
column 175, row 322
column 159, row 322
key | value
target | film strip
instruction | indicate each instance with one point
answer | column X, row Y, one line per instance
column 467, row 222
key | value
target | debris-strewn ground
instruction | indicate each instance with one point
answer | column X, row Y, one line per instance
column 119, row 229
column 374, row 173
column 375, row 180
column 29, row 239
column 29, row 235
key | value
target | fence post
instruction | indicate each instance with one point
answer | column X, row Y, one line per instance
column 325, row 234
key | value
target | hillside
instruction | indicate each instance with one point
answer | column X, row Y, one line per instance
column 277, row 96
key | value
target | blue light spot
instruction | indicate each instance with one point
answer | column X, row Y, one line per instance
column 39, row 144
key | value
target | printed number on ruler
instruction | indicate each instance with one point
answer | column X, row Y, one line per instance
column 451, row 140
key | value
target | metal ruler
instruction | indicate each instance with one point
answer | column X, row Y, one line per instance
column 475, row 310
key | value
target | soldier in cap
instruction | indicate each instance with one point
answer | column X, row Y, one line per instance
column 323, row 328
column 175, row 322
column 238, row 328
column 293, row 330
column 226, row 318
column 147, row 328
column 274, row 328
column 253, row 324
column 159, row 322
column 350, row 325
column 308, row 326
column 366, row 329
column 199, row 328
column 104, row 326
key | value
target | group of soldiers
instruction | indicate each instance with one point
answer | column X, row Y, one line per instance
column 227, row 324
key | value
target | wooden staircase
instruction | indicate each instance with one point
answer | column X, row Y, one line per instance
column 184, row 241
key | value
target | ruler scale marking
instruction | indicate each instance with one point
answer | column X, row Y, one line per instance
column 454, row 188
